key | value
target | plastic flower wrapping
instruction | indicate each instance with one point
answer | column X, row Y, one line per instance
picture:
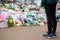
column 15, row 15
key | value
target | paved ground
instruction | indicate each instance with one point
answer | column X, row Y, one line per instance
column 26, row 33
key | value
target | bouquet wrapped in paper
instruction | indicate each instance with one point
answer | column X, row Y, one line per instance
column 3, row 21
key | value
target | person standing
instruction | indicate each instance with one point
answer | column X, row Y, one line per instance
column 50, row 8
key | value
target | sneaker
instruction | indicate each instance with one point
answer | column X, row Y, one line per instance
column 54, row 35
column 47, row 35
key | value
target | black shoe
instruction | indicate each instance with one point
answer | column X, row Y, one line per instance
column 54, row 35
column 47, row 35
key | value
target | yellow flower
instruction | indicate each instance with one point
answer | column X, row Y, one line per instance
column 10, row 21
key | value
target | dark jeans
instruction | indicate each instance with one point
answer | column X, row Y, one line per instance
column 51, row 18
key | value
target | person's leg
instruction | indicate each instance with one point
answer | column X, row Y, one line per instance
column 48, row 9
column 54, row 21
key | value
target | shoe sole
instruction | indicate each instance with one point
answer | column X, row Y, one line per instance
column 54, row 36
column 48, row 37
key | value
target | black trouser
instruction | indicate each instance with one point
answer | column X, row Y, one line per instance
column 51, row 18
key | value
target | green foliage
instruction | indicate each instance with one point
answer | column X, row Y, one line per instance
column 10, row 22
